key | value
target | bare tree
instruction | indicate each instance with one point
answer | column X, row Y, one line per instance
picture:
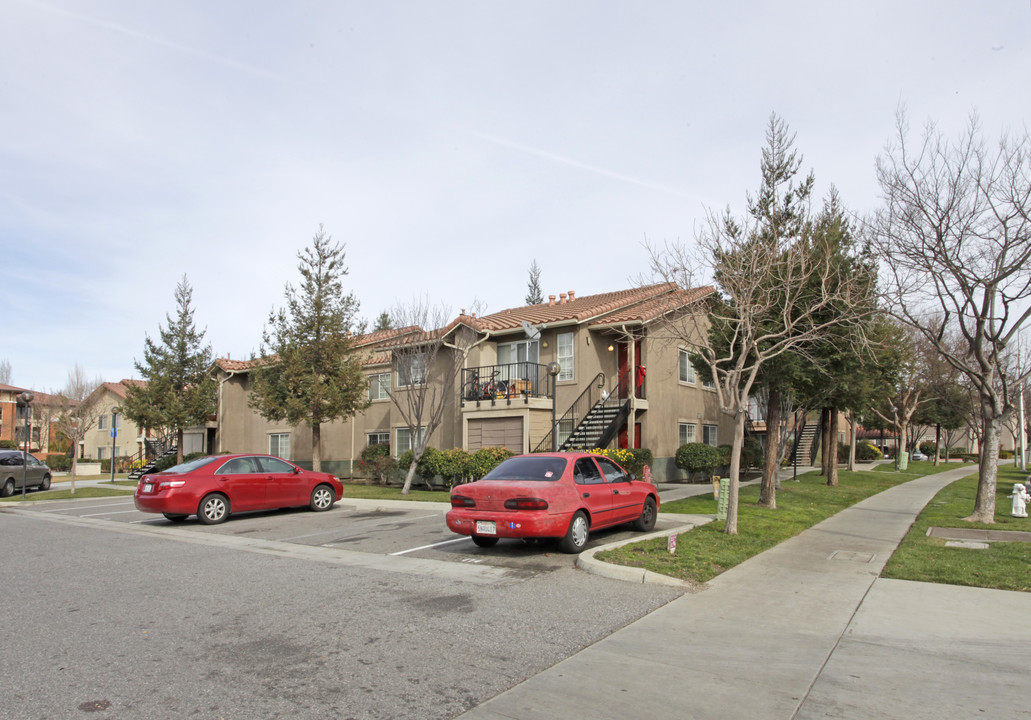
column 777, row 291
column 5, row 372
column 427, row 365
column 78, row 409
column 955, row 233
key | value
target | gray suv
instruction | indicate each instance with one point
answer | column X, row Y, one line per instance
column 13, row 469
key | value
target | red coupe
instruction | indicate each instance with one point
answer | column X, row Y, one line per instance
column 212, row 487
column 551, row 495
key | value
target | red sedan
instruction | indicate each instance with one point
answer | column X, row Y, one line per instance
column 551, row 495
column 212, row 487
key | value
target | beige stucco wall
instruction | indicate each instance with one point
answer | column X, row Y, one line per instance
column 128, row 441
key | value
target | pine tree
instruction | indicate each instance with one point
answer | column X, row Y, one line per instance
column 534, row 294
column 179, row 391
column 310, row 375
column 383, row 322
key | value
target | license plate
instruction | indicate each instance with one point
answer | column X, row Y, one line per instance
column 486, row 527
column 147, row 487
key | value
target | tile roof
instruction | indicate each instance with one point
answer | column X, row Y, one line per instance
column 654, row 307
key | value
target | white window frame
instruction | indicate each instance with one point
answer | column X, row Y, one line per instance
column 377, row 438
column 687, row 371
column 688, row 432
column 102, row 421
column 710, row 435
column 401, row 447
column 279, row 445
column 417, row 362
column 566, row 357
column 379, row 386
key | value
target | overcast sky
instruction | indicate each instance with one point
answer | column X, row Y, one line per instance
column 446, row 144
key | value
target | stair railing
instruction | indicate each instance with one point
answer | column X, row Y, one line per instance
column 579, row 409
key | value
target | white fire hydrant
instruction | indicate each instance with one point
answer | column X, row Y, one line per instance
column 1019, row 496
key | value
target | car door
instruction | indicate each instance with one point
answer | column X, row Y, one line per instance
column 243, row 481
column 594, row 491
column 627, row 496
column 33, row 471
column 286, row 486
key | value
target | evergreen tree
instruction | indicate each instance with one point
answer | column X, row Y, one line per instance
column 311, row 376
column 534, row 294
column 383, row 322
column 178, row 391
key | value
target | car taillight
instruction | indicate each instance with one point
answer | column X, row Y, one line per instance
column 170, row 484
column 526, row 504
column 462, row 501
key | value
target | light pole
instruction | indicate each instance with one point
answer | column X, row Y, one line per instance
column 895, row 414
column 26, row 397
column 553, row 371
column 114, row 435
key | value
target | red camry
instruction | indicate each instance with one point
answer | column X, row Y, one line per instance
column 213, row 487
column 551, row 495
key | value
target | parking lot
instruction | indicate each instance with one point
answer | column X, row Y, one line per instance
column 353, row 529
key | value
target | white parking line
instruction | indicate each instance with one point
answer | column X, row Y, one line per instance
column 114, row 512
column 84, row 507
column 426, row 547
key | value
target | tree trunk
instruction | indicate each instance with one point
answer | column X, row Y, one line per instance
column 984, row 501
column 178, row 447
column 937, row 443
column 316, row 447
column 825, row 440
column 852, row 441
column 768, row 493
column 417, row 452
column 735, row 470
column 832, row 449
column 75, row 459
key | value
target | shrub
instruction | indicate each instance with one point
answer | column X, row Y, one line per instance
column 725, row 451
column 865, row 452
column 167, row 461
column 633, row 460
column 751, row 453
column 928, row 448
column 698, row 458
column 376, row 463
column 1005, row 454
column 450, row 465
column 9, row 445
column 486, row 459
column 404, row 460
column 59, row 461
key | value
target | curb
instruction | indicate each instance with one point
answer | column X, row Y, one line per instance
column 588, row 563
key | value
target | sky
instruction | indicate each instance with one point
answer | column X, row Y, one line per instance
column 446, row 144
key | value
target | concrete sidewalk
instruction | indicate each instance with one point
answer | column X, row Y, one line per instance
column 804, row 630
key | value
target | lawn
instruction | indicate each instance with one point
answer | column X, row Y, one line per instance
column 1003, row 565
column 706, row 551
column 379, row 492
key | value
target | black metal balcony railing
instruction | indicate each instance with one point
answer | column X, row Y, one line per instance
column 500, row 382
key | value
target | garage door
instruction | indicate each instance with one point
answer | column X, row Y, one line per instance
column 496, row 432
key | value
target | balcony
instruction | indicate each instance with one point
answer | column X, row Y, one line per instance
column 523, row 380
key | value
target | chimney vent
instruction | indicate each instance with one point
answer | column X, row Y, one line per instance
column 551, row 299
column 572, row 296
column 562, row 299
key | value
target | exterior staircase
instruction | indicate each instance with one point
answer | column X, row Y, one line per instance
column 154, row 449
column 596, row 416
column 807, row 444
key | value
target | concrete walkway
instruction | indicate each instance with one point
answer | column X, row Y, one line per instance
column 804, row 630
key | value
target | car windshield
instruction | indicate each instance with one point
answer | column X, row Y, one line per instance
column 190, row 465
column 528, row 468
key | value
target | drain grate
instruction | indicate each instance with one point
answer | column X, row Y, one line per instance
column 852, row 556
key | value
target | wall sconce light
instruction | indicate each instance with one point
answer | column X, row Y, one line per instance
column 544, row 343
column 611, row 347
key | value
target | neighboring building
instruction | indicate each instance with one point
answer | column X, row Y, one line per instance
column 42, row 411
column 609, row 351
column 97, row 443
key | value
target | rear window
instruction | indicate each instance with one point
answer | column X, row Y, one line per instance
column 190, row 465
column 528, row 468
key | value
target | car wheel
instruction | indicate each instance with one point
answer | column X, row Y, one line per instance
column 8, row 489
column 45, row 484
column 484, row 541
column 322, row 498
column 576, row 535
column 213, row 509
column 647, row 520
column 173, row 517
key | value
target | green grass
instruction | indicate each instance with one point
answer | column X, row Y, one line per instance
column 1003, row 565
column 379, row 492
column 706, row 551
column 80, row 492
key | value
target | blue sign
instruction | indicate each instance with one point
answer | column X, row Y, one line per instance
column 114, row 432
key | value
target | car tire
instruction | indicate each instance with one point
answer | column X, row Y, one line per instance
column 8, row 488
column 484, row 542
column 45, row 483
column 647, row 520
column 577, row 534
column 213, row 509
column 322, row 498
column 174, row 517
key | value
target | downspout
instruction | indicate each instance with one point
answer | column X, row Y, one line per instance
column 465, row 360
column 631, row 425
column 219, row 421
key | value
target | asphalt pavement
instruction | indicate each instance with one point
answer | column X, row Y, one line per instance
column 804, row 630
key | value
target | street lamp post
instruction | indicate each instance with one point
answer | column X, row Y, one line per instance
column 895, row 415
column 26, row 397
column 114, row 435
column 553, row 371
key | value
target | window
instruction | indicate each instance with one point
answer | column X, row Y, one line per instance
column 279, row 445
column 709, row 384
column 611, row 471
column 100, row 453
column 404, row 440
column 688, row 433
column 411, row 369
column 102, row 422
column 274, row 465
column 565, row 356
column 239, row 466
column 687, row 374
column 565, row 429
column 709, row 435
column 379, row 386
column 514, row 357
column 585, row 472
column 379, row 438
